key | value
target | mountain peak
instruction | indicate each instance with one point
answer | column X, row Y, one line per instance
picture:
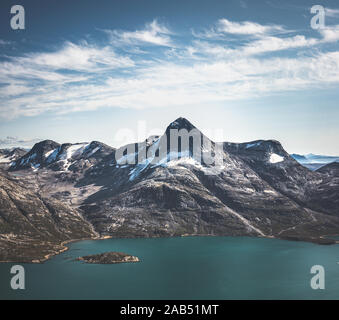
column 45, row 145
column 181, row 123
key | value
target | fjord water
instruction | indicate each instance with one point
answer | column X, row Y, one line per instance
column 183, row 268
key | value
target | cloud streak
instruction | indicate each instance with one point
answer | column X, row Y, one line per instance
column 83, row 77
column 247, row 28
column 153, row 33
column 333, row 13
column 11, row 142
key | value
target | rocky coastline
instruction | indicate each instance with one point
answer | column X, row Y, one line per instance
column 109, row 258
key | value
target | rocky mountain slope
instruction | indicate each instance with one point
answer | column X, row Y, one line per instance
column 7, row 156
column 34, row 226
column 258, row 190
column 325, row 196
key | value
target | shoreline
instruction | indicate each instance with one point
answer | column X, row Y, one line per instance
column 65, row 248
column 321, row 240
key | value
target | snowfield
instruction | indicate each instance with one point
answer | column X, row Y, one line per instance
column 275, row 158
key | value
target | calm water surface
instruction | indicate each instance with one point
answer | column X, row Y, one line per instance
column 183, row 268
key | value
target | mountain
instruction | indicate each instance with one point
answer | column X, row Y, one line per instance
column 325, row 195
column 65, row 157
column 331, row 169
column 313, row 161
column 150, row 189
column 34, row 226
column 7, row 156
column 260, row 191
column 36, row 156
column 298, row 157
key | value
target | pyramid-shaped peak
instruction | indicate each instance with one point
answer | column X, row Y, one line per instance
column 181, row 123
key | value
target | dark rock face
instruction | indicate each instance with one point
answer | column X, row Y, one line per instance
column 332, row 169
column 325, row 195
column 259, row 190
column 109, row 258
column 36, row 156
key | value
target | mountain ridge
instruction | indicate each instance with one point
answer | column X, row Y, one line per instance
column 258, row 190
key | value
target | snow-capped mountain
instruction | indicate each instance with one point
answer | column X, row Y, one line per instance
column 50, row 154
column 147, row 189
column 10, row 155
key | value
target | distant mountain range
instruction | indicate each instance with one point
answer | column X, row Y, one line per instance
column 71, row 191
column 314, row 161
column 7, row 156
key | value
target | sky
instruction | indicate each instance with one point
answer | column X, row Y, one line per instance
column 119, row 71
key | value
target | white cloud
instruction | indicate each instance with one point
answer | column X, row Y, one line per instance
column 168, row 84
column 13, row 89
column 263, row 43
column 330, row 33
column 270, row 44
column 45, row 70
column 191, row 73
column 154, row 33
column 78, row 58
column 247, row 28
column 333, row 13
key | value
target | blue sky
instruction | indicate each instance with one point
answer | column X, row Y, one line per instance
column 85, row 70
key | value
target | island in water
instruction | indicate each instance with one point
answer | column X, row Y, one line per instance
column 108, row 258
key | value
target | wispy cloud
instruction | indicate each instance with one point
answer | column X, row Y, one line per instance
column 223, row 28
column 10, row 142
column 80, row 77
column 153, row 33
column 75, row 57
column 247, row 28
column 333, row 13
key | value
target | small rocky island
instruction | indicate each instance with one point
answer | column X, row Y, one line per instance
column 109, row 258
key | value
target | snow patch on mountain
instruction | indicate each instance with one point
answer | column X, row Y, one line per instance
column 70, row 153
column 6, row 159
column 94, row 151
column 275, row 158
column 51, row 155
column 74, row 150
column 48, row 153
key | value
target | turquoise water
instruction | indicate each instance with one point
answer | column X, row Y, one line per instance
column 183, row 268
